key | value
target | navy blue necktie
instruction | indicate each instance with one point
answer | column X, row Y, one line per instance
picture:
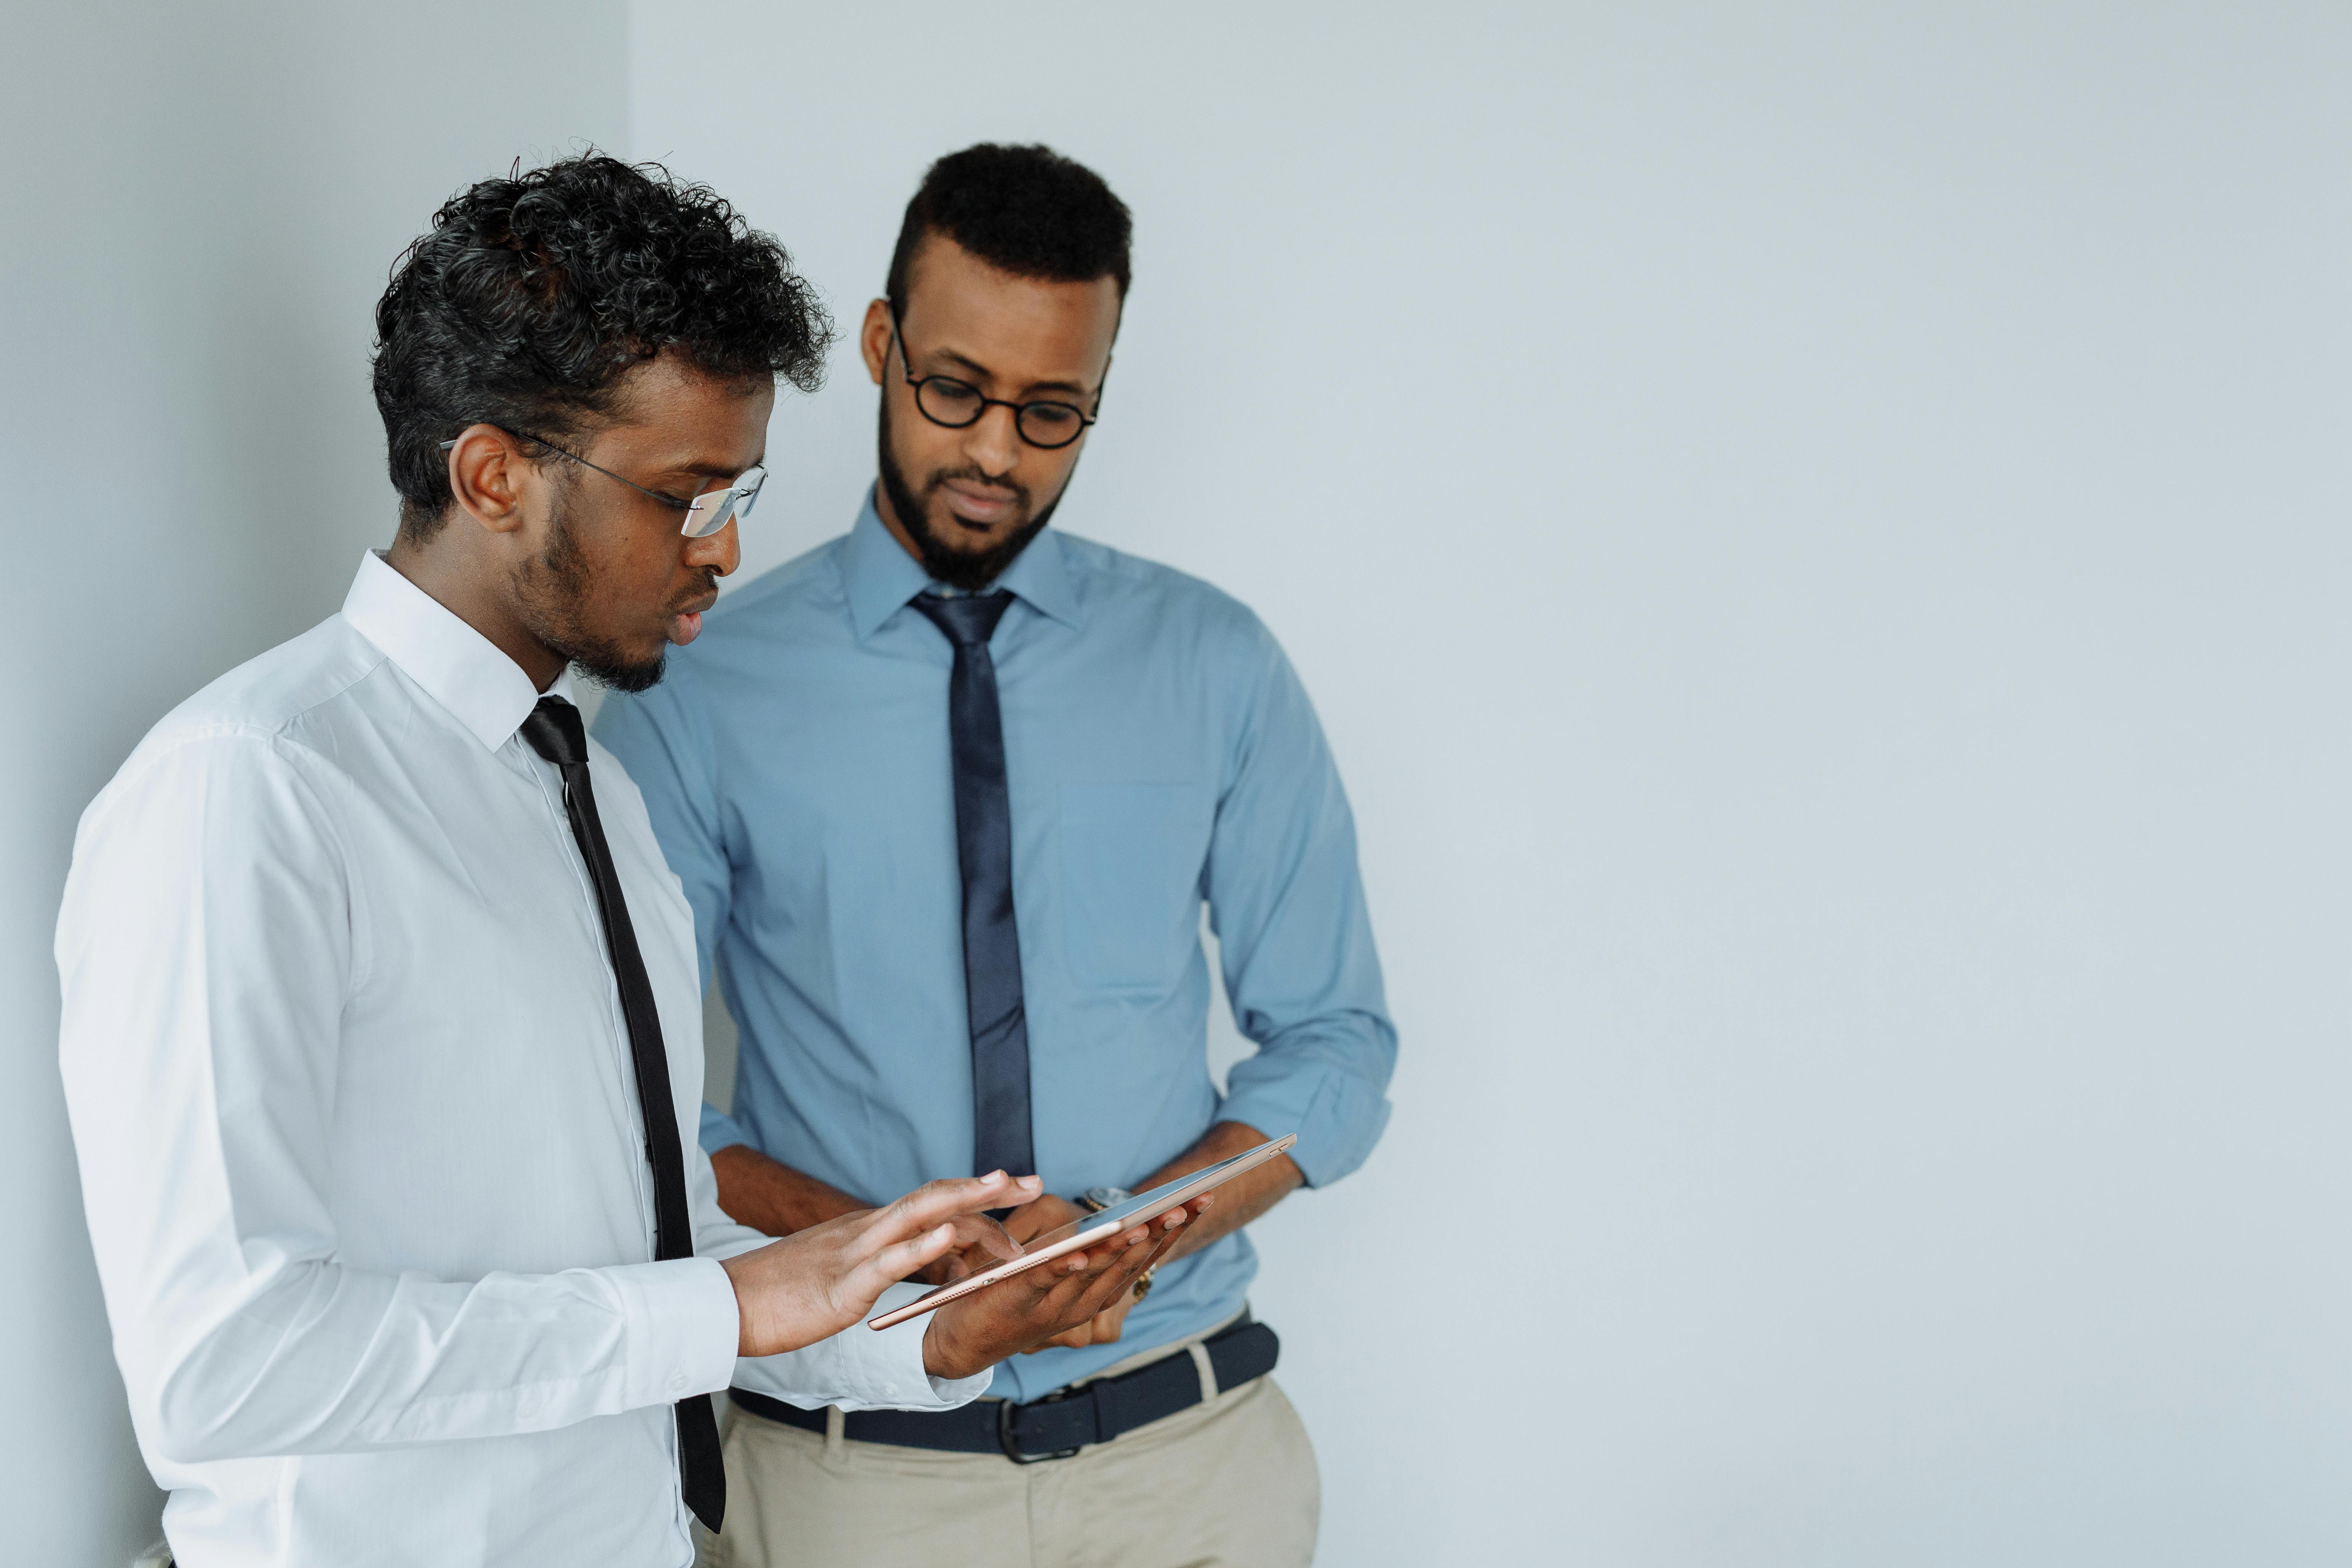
column 991, row 946
column 555, row 733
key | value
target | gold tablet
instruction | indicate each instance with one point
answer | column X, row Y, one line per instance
column 1140, row 1209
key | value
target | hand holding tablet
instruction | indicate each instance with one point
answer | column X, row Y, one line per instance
column 1117, row 1225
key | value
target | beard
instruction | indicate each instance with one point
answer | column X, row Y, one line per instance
column 553, row 592
column 943, row 562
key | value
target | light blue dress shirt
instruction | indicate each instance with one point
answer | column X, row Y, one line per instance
column 1160, row 752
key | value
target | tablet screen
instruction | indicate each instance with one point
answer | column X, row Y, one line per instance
column 1158, row 1200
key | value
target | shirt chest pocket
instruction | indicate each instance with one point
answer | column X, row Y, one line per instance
column 1131, row 858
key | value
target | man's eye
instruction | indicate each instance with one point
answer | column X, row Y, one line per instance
column 1051, row 416
column 947, row 390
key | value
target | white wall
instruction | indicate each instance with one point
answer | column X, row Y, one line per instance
column 198, row 209
column 1819, row 536
column 1819, row 539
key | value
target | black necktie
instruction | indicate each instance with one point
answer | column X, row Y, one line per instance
column 555, row 733
column 991, row 944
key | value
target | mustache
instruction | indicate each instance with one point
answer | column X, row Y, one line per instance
column 972, row 475
column 708, row 588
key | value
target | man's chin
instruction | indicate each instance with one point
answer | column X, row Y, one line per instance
column 958, row 542
column 607, row 668
column 964, row 558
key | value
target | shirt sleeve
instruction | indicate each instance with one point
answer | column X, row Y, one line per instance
column 211, row 935
column 664, row 745
column 1287, row 902
column 858, row 1368
column 719, row 1130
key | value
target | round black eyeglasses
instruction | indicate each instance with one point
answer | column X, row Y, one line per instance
column 958, row 405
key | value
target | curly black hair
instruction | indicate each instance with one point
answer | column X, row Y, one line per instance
column 1028, row 211
column 531, row 296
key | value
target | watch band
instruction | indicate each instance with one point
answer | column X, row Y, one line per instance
column 1094, row 1200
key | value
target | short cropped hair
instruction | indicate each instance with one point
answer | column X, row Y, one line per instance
column 531, row 296
column 1028, row 211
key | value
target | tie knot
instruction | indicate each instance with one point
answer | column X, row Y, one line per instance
column 555, row 733
column 969, row 621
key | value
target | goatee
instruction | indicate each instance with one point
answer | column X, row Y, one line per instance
column 969, row 570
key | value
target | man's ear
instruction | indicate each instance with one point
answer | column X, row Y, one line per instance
column 488, row 473
column 874, row 339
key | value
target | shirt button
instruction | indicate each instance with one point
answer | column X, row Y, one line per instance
column 891, row 1389
column 677, row 1383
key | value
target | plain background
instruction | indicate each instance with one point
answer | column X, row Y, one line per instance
column 1818, row 536
column 198, row 209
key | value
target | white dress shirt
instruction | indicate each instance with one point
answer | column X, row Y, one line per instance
column 359, row 1130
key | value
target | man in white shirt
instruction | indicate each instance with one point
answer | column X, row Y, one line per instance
column 381, row 1027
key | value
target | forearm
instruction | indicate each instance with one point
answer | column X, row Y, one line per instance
column 770, row 1196
column 327, row 1359
column 1239, row 1201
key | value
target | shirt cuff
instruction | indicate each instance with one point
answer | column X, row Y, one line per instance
column 903, row 1343
column 683, row 1328
column 1336, row 1115
column 858, row 1369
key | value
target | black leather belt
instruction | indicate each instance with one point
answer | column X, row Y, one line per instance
column 1060, row 1423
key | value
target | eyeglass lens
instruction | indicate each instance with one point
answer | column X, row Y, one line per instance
column 712, row 510
column 952, row 402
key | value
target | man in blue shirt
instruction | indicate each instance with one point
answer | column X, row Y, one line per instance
column 948, row 794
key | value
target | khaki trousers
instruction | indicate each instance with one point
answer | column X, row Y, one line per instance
column 1230, row 1483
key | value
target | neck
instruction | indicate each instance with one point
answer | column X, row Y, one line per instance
column 469, row 590
column 890, row 522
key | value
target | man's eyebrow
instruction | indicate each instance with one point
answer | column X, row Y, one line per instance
column 716, row 472
column 966, row 360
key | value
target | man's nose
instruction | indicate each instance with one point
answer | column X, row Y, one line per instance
column 993, row 442
column 721, row 552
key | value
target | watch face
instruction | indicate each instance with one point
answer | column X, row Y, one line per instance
column 1103, row 1197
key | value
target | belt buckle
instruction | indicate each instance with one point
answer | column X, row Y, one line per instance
column 1012, row 1446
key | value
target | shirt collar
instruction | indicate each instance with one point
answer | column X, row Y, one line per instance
column 880, row 577
column 457, row 666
